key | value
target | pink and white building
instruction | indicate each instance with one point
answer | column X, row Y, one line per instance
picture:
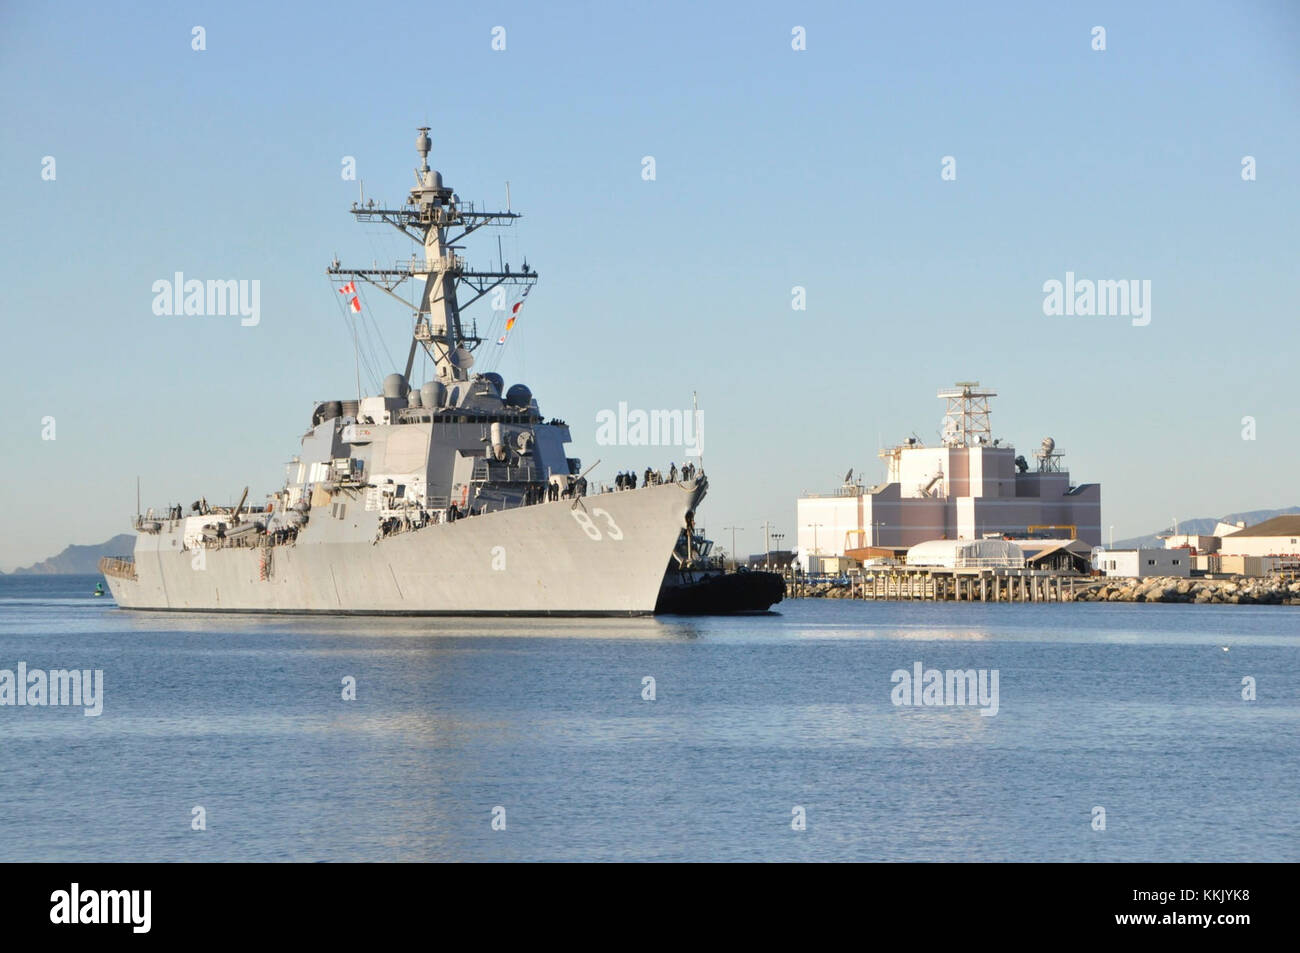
column 970, row 486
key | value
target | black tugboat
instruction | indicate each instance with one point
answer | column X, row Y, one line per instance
column 697, row 583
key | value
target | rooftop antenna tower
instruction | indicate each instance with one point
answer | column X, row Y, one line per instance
column 966, row 418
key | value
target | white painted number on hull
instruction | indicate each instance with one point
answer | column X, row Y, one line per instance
column 611, row 528
column 591, row 529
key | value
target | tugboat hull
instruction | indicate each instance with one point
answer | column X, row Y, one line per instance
column 719, row 593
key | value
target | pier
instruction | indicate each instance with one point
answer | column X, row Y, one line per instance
column 932, row 584
column 935, row 584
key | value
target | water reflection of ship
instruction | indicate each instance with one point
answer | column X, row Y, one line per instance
column 698, row 583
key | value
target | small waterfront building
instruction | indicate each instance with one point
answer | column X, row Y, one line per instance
column 1196, row 542
column 1057, row 555
column 1250, row 565
column 826, row 565
column 1279, row 536
column 967, row 554
column 1143, row 562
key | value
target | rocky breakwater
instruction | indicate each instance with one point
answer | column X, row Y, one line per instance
column 1237, row 590
column 819, row 590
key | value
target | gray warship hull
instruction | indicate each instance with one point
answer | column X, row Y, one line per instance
column 533, row 560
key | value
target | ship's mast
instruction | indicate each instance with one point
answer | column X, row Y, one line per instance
column 431, row 212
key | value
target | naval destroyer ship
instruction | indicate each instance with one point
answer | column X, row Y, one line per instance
column 455, row 497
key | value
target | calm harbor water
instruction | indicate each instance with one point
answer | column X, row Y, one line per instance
column 1134, row 708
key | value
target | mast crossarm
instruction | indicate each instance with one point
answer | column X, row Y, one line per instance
column 410, row 221
column 402, row 221
column 404, row 273
column 483, row 218
column 481, row 292
column 412, row 215
column 529, row 275
column 368, row 276
column 512, row 278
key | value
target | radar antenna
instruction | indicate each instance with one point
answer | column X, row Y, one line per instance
column 1048, row 457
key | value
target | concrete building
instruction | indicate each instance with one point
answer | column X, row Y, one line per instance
column 1279, row 536
column 1198, row 543
column 1143, row 562
column 970, row 486
column 824, row 565
column 1247, row 565
column 1236, row 549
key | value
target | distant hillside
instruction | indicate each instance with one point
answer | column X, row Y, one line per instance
column 1202, row 527
column 79, row 560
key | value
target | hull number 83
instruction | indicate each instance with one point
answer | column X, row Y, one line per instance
column 591, row 529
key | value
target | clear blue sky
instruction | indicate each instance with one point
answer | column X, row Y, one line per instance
column 775, row 168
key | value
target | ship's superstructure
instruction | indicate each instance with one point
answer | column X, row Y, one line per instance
column 456, row 496
column 968, row 486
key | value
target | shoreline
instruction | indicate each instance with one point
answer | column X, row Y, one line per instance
column 1234, row 590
